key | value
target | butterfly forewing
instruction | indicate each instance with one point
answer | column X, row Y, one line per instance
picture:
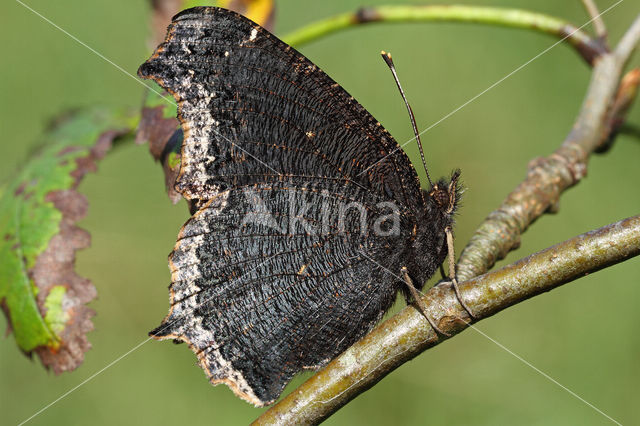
column 254, row 109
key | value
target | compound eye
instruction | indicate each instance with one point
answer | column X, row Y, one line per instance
column 440, row 196
column 443, row 198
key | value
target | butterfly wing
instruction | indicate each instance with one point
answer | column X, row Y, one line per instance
column 260, row 292
column 253, row 110
column 266, row 131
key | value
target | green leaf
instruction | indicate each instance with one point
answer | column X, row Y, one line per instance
column 43, row 298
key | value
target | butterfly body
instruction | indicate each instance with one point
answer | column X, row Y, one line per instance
column 306, row 208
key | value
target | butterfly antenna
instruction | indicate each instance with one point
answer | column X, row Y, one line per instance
column 387, row 58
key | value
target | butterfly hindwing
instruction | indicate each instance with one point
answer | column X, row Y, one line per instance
column 259, row 294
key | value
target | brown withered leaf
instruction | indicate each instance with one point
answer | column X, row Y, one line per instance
column 56, row 265
column 164, row 135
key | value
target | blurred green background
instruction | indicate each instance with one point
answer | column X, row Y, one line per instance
column 584, row 335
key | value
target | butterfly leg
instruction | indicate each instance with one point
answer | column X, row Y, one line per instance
column 442, row 273
column 452, row 271
column 416, row 296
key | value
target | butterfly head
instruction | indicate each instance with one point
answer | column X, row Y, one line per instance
column 446, row 195
column 428, row 244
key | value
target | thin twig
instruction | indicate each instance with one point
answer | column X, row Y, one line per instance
column 549, row 177
column 586, row 46
column 629, row 42
column 407, row 334
column 627, row 93
column 598, row 23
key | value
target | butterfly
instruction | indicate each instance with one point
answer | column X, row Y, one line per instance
column 307, row 216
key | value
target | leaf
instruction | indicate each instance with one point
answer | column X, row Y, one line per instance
column 159, row 125
column 40, row 293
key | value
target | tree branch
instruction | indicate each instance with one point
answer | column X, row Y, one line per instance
column 627, row 93
column 629, row 42
column 407, row 334
column 596, row 18
column 586, row 46
column 548, row 177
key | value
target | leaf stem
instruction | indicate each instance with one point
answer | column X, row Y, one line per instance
column 598, row 23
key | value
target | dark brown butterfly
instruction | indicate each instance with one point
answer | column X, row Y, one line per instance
column 306, row 209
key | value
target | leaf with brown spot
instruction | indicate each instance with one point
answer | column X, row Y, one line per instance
column 40, row 293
